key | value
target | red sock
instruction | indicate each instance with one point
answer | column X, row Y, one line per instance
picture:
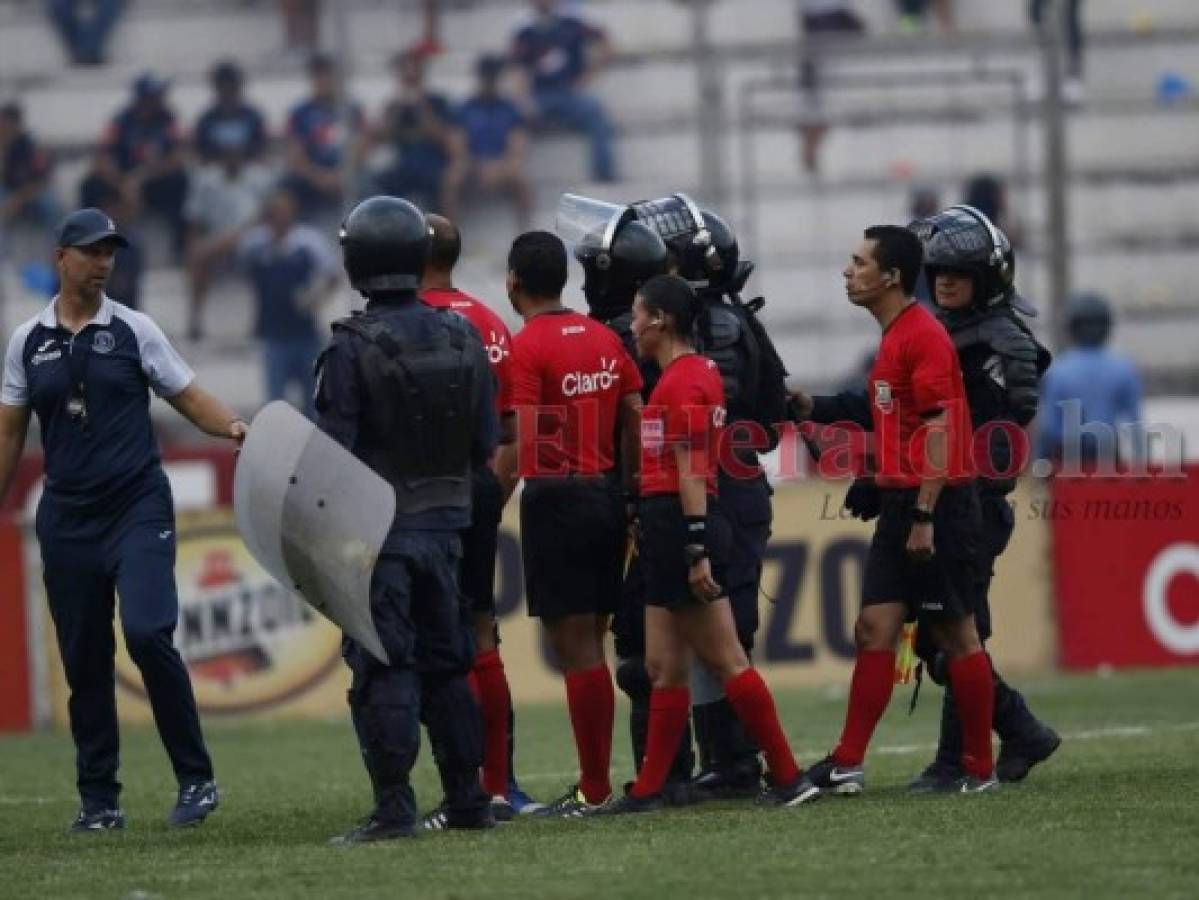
column 496, row 703
column 974, row 693
column 751, row 701
column 869, row 693
column 592, row 703
column 668, row 712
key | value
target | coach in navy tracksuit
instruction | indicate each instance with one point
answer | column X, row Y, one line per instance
column 106, row 520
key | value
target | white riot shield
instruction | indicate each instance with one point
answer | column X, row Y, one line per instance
column 313, row 516
column 589, row 224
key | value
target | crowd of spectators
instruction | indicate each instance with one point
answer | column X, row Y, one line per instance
column 224, row 196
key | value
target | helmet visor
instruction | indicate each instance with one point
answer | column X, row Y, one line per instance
column 587, row 223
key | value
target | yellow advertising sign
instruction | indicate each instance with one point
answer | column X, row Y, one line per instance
column 254, row 649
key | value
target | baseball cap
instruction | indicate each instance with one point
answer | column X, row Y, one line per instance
column 85, row 227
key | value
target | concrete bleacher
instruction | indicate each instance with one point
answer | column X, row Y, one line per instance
column 1132, row 198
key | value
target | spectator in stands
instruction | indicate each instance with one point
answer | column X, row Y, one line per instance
column 230, row 123
column 988, row 194
column 418, row 126
column 301, row 26
column 819, row 20
column 1090, row 411
column 125, row 283
column 293, row 270
column 496, row 138
column 144, row 151
column 26, row 192
column 322, row 132
column 560, row 52
column 1072, row 89
column 85, row 27
column 914, row 13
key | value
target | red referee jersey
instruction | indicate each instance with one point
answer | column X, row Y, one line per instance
column 568, row 375
column 686, row 407
column 494, row 334
column 915, row 375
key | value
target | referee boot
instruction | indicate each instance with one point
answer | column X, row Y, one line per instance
column 371, row 830
column 941, row 776
column 98, row 819
column 628, row 803
column 730, row 769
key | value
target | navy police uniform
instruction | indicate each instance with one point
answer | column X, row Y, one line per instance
column 106, row 527
column 408, row 390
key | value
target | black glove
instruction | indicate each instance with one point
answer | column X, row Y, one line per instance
column 863, row 499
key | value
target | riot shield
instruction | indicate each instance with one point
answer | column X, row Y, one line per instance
column 313, row 516
column 589, row 224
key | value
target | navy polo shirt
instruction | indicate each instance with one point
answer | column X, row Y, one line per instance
column 119, row 356
column 282, row 272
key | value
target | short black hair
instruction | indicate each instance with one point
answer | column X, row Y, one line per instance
column 321, row 64
column 446, row 245
column 12, row 111
column 670, row 294
column 895, row 247
column 538, row 260
column 227, row 71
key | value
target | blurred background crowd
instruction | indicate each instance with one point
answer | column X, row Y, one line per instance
column 227, row 137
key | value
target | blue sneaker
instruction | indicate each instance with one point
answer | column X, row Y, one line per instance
column 98, row 820
column 522, row 804
column 195, row 802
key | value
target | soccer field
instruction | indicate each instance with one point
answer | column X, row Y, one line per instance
column 1116, row 812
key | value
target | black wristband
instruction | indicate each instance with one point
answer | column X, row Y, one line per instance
column 693, row 553
column 697, row 530
column 922, row 516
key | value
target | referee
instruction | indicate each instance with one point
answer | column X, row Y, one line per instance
column 573, row 388
column 923, row 557
column 106, row 518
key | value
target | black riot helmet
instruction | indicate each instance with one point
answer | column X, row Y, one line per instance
column 703, row 245
column 1090, row 320
column 612, row 277
column 962, row 239
column 385, row 245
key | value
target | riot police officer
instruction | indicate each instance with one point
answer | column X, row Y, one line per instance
column 970, row 268
column 705, row 252
column 619, row 254
column 407, row 389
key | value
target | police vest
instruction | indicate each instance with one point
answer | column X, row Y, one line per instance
column 419, row 424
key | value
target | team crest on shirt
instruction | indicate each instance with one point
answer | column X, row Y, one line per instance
column 104, row 342
column 882, row 396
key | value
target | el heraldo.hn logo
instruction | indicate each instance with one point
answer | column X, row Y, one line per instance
column 249, row 643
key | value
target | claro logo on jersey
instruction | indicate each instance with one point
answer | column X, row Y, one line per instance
column 248, row 643
column 497, row 348
column 882, row 396
column 575, row 384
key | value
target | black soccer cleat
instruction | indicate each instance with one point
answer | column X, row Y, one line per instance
column 501, row 809
column 711, row 784
column 938, row 778
column 371, row 831
column 833, row 778
column 800, row 791
column 442, row 819
column 1017, row 757
column 628, row 804
column 972, row 784
column 195, row 802
column 98, row 820
column 571, row 805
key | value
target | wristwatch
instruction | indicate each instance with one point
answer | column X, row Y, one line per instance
column 922, row 516
column 693, row 553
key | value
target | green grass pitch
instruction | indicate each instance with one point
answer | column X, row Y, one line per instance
column 1115, row 813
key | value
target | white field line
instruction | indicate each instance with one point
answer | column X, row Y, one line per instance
column 1090, row 734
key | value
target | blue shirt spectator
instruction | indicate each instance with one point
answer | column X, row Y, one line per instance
column 489, row 121
column 230, row 125
column 25, row 173
column 292, row 270
column 320, row 132
column 559, row 50
column 1090, row 394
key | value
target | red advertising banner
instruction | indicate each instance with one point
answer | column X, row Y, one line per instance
column 1126, row 569
column 16, row 712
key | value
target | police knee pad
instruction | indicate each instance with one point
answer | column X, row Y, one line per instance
column 633, row 679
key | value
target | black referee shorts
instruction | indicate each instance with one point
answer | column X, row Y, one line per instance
column 941, row 589
column 663, row 537
column 476, row 577
column 572, row 538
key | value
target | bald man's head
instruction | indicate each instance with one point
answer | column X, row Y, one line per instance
column 446, row 246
